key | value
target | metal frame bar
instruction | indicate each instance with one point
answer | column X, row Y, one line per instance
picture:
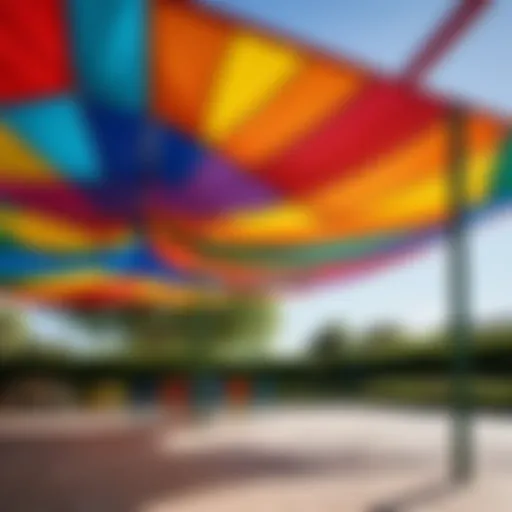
column 461, row 331
column 458, row 280
column 445, row 35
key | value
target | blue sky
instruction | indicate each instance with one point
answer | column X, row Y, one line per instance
column 384, row 34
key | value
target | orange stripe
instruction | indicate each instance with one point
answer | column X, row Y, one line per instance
column 191, row 261
column 187, row 46
column 301, row 105
column 424, row 158
column 125, row 288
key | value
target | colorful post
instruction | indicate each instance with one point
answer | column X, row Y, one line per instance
column 238, row 393
column 175, row 396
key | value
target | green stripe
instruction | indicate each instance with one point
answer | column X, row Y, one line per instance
column 303, row 255
column 502, row 186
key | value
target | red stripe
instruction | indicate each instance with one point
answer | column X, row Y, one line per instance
column 381, row 118
column 56, row 199
column 34, row 49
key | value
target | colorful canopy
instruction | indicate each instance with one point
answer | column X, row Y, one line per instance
column 156, row 150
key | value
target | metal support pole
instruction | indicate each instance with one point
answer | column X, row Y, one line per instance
column 446, row 34
column 459, row 294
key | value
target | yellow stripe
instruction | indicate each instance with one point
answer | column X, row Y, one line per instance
column 67, row 282
column 254, row 70
column 430, row 197
column 41, row 232
column 287, row 220
column 18, row 162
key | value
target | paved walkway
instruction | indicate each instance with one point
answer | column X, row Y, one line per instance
column 351, row 459
column 315, row 460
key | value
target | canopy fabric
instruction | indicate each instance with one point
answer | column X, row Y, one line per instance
column 158, row 150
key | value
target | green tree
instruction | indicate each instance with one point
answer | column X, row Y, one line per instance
column 14, row 335
column 384, row 336
column 239, row 326
column 496, row 332
column 329, row 344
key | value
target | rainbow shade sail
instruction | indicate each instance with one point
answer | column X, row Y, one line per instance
column 153, row 151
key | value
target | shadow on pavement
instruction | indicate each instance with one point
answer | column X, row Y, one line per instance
column 419, row 497
column 122, row 472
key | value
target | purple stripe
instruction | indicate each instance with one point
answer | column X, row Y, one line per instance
column 216, row 188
